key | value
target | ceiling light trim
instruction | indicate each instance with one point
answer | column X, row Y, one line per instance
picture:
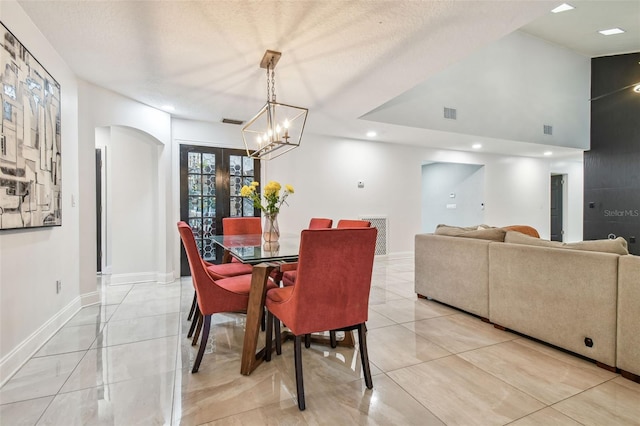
column 564, row 7
column 612, row 31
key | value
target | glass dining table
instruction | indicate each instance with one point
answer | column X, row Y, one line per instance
column 265, row 258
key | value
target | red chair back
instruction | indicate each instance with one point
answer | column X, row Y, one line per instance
column 211, row 297
column 351, row 223
column 333, row 280
column 320, row 223
column 241, row 225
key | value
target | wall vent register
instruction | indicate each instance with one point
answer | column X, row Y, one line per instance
column 381, row 223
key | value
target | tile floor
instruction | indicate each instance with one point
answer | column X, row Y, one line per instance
column 127, row 362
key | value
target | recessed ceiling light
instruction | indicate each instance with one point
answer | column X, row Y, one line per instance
column 371, row 134
column 611, row 31
column 562, row 8
column 548, row 153
column 168, row 107
column 476, row 146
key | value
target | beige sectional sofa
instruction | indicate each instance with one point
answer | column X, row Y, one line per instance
column 583, row 297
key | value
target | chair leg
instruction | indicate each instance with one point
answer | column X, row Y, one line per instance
column 307, row 341
column 196, row 334
column 262, row 320
column 268, row 337
column 364, row 356
column 196, row 317
column 203, row 343
column 297, row 355
column 278, row 337
column 192, row 310
column 332, row 339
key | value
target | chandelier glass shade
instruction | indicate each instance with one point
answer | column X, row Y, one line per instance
column 277, row 128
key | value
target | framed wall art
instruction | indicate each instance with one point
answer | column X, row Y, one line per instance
column 30, row 146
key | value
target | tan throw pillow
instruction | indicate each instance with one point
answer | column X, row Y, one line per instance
column 617, row 246
column 492, row 234
column 515, row 237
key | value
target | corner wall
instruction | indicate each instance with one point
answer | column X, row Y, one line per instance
column 32, row 260
column 612, row 166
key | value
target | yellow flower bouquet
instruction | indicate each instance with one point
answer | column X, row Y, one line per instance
column 273, row 201
column 271, row 193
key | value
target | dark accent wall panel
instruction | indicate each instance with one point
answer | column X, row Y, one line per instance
column 612, row 165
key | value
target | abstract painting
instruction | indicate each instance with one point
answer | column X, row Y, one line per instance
column 30, row 147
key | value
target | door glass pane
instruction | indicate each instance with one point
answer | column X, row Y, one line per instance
column 235, row 165
column 208, row 251
column 195, row 186
column 208, row 228
column 196, row 227
column 235, row 185
column 247, row 166
column 208, row 163
column 209, row 207
column 193, row 162
column 195, row 207
column 208, row 184
column 247, row 207
column 236, row 206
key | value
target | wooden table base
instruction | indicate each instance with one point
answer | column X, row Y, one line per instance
column 259, row 277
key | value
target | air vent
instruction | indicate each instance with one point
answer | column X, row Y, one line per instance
column 232, row 121
column 450, row 113
column 379, row 222
column 548, row 129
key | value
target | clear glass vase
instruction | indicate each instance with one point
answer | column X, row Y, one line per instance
column 271, row 231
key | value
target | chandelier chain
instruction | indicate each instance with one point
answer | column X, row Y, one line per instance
column 273, row 85
column 271, row 82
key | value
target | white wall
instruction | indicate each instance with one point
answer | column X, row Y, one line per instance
column 100, row 108
column 132, row 190
column 452, row 194
column 32, row 260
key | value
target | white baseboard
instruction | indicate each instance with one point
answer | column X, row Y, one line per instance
column 141, row 277
column 89, row 298
column 165, row 278
column 15, row 359
column 402, row 255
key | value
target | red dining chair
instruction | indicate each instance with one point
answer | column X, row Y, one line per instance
column 331, row 292
column 213, row 296
column 353, row 223
column 217, row 272
column 343, row 223
column 241, row 225
column 289, row 270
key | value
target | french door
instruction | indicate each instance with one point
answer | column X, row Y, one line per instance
column 210, row 183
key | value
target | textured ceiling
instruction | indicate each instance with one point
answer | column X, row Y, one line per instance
column 341, row 59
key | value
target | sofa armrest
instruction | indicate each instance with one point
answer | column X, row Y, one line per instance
column 628, row 348
column 453, row 270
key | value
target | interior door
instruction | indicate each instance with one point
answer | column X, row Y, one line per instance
column 556, row 208
column 210, row 183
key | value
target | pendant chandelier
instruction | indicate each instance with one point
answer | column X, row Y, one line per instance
column 277, row 128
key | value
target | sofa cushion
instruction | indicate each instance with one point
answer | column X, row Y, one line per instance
column 480, row 232
column 617, row 246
